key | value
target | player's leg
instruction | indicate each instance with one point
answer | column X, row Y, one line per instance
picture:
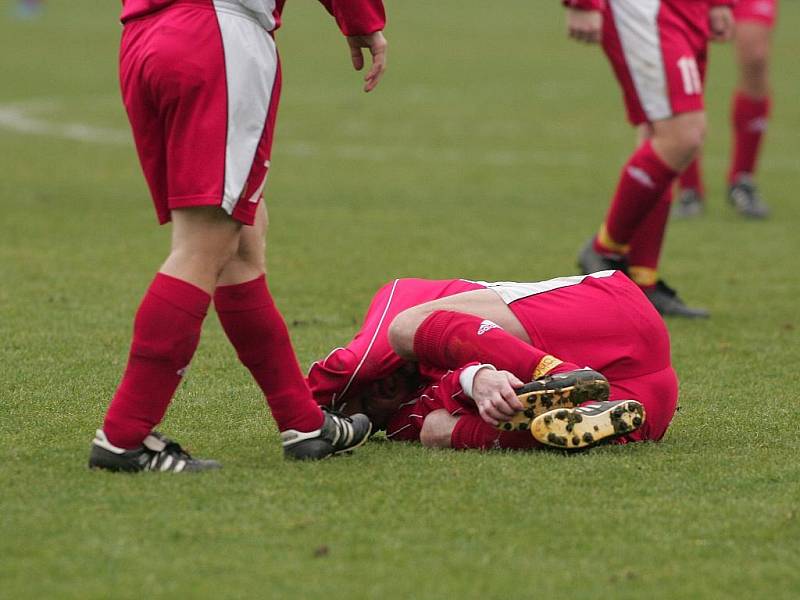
column 692, row 192
column 645, row 253
column 749, row 115
column 165, row 336
column 256, row 329
column 435, row 334
column 468, row 431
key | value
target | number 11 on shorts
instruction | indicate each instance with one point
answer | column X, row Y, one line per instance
column 692, row 84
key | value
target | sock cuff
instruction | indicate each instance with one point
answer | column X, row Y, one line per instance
column 427, row 339
column 180, row 294
column 241, row 297
column 749, row 106
column 656, row 170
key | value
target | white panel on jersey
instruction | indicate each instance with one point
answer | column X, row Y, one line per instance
column 511, row 291
column 251, row 63
column 636, row 22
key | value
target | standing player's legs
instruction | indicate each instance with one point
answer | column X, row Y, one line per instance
column 201, row 89
column 750, row 104
column 656, row 63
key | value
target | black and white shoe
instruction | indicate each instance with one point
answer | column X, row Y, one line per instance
column 562, row 390
column 669, row 304
column 338, row 434
column 591, row 261
column 744, row 197
column 689, row 204
column 157, row 453
column 588, row 425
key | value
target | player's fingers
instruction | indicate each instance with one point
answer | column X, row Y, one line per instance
column 502, row 406
column 514, row 381
column 355, row 55
column 378, row 66
column 487, row 417
column 511, row 400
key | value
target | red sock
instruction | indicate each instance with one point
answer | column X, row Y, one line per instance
column 473, row 432
column 644, row 180
column 646, row 245
column 166, row 332
column 692, row 179
column 749, row 117
column 451, row 340
column 257, row 331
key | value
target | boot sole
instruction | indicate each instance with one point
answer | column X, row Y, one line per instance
column 538, row 402
column 573, row 430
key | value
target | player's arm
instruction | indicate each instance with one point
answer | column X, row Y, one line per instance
column 362, row 21
column 585, row 20
column 489, row 390
column 720, row 17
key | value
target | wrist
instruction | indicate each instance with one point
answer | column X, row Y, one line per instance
column 467, row 377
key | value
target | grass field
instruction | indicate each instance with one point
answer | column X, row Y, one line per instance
column 489, row 151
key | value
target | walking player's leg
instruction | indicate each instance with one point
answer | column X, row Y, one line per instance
column 257, row 330
column 165, row 335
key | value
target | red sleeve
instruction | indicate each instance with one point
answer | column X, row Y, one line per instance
column 730, row 3
column 445, row 393
column 357, row 17
column 585, row 4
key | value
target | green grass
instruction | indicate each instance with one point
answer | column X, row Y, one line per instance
column 489, row 151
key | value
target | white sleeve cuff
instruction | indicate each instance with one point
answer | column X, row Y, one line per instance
column 467, row 377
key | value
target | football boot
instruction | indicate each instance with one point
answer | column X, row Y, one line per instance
column 591, row 261
column 561, row 390
column 688, row 205
column 588, row 425
column 745, row 199
column 338, row 434
column 157, row 453
column 669, row 304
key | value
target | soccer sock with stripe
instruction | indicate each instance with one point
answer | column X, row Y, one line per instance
column 449, row 339
column 749, row 119
column 257, row 330
column 644, row 180
column 646, row 245
column 166, row 332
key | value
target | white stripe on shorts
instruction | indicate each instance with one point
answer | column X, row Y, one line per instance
column 251, row 64
column 511, row 291
column 636, row 22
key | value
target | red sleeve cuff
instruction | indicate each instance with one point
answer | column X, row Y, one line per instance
column 357, row 17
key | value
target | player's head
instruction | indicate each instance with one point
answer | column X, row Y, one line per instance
column 381, row 399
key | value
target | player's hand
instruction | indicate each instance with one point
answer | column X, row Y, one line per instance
column 585, row 25
column 376, row 44
column 721, row 22
column 493, row 393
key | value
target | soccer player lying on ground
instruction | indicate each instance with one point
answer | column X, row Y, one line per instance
column 444, row 362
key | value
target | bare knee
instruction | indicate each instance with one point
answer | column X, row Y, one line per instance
column 678, row 140
column 403, row 329
column 437, row 429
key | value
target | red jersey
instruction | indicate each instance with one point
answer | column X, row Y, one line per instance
column 354, row 17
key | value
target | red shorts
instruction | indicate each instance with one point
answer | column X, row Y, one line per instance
column 658, row 50
column 608, row 324
column 201, row 88
column 757, row 11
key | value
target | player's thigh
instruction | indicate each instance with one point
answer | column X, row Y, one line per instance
column 753, row 41
column 437, row 429
column 485, row 304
